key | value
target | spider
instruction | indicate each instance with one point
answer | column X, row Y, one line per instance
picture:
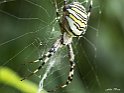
column 73, row 23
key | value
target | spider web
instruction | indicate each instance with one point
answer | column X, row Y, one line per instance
column 28, row 30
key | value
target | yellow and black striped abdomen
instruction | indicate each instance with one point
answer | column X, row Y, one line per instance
column 76, row 18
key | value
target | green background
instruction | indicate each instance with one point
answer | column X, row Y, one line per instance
column 25, row 24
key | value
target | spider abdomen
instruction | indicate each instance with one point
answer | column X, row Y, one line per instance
column 76, row 18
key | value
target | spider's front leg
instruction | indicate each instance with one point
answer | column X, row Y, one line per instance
column 72, row 67
column 46, row 57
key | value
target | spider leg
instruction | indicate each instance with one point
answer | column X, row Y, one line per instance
column 71, row 72
column 90, row 8
column 57, row 11
column 65, row 2
column 46, row 57
column 72, row 64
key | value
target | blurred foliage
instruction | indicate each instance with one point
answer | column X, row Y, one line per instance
column 10, row 78
column 24, row 24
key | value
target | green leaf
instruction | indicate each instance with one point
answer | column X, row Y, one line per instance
column 9, row 77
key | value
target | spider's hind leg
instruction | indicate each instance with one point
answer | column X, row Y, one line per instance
column 90, row 8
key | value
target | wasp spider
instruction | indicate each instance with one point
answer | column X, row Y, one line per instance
column 73, row 23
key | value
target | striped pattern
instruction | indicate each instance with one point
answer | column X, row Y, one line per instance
column 76, row 17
